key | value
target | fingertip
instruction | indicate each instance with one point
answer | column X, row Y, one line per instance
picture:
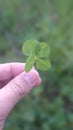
column 38, row 82
column 39, row 78
column 34, row 75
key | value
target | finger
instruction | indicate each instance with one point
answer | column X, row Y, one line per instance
column 10, row 70
column 16, row 89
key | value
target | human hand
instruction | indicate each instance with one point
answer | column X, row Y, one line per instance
column 15, row 83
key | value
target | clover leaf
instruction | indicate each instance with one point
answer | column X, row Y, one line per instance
column 43, row 64
column 30, row 62
column 29, row 46
column 44, row 51
column 37, row 53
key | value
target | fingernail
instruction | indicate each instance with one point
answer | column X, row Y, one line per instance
column 32, row 78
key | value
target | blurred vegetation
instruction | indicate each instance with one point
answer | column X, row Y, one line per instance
column 50, row 106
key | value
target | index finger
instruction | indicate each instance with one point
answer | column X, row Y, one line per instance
column 10, row 70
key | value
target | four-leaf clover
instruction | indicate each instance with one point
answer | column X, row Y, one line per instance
column 37, row 53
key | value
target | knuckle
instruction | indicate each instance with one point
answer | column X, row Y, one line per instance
column 17, row 88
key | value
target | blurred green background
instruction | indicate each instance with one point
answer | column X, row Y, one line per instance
column 50, row 106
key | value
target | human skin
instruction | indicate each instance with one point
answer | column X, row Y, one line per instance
column 15, row 83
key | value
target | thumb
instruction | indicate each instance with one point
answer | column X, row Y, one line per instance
column 16, row 89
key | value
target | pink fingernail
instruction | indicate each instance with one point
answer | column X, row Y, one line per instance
column 32, row 78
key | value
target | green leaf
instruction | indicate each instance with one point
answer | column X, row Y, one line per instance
column 37, row 49
column 36, row 52
column 43, row 64
column 29, row 46
column 44, row 51
column 30, row 62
